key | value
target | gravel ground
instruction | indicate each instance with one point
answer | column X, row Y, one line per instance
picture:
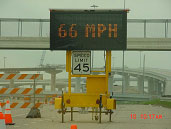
column 121, row 119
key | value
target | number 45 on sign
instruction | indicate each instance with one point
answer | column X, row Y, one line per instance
column 81, row 62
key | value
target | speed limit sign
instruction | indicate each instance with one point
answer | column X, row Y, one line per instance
column 81, row 62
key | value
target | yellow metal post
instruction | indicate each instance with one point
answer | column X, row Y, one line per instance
column 67, row 60
column 68, row 69
column 109, row 54
column 108, row 61
column 107, row 69
column 69, row 83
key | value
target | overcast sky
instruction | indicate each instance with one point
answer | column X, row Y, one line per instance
column 140, row 9
column 40, row 8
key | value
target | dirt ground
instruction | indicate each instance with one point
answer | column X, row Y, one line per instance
column 121, row 119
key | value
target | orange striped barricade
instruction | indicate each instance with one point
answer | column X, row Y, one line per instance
column 23, row 105
column 21, row 76
column 22, row 91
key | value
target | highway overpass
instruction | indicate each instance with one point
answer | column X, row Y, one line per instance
column 159, row 80
column 143, row 34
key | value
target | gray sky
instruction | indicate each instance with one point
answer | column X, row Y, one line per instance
column 140, row 9
column 40, row 8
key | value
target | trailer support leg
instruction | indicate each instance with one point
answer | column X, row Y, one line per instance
column 100, row 107
column 71, row 113
column 110, row 115
column 62, row 107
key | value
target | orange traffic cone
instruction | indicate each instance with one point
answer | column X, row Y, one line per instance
column 1, row 114
column 73, row 126
column 8, row 118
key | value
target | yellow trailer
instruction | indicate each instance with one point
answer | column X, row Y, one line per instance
column 97, row 95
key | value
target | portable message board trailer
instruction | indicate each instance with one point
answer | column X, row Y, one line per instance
column 78, row 32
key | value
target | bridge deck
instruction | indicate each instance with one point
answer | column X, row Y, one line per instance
column 43, row 43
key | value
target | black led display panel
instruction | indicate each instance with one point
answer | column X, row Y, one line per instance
column 88, row 29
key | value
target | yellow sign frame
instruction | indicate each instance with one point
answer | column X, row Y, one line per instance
column 96, row 85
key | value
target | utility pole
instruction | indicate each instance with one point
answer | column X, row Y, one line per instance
column 123, row 63
column 4, row 61
column 140, row 59
column 34, row 89
column 94, row 6
column 143, row 73
column 124, row 4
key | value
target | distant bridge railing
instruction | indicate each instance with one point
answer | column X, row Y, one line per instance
column 148, row 73
column 137, row 28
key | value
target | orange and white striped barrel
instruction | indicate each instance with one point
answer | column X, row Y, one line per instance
column 8, row 117
column 23, row 105
column 8, row 110
column 22, row 91
column 52, row 100
column 21, row 76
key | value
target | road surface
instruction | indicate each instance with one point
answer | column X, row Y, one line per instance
column 121, row 119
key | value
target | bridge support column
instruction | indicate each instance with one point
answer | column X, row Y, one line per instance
column 11, row 85
column 77, row 85
column 140, row 84
column 127, row 81
column 156, row 84
column 160, row 89
column 167, row 87
column 154, row 87
column 157, row 87
column 151, row 86
column 53, row 81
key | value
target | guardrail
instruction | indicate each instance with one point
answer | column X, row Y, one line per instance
column 157, row 26
column 143, row 28
column 148, row 73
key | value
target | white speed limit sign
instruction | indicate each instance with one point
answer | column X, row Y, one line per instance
column 81, row 62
